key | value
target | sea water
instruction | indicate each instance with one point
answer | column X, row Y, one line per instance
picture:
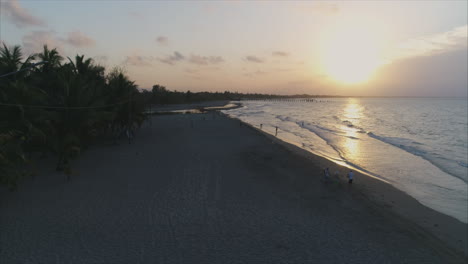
column 418, row 145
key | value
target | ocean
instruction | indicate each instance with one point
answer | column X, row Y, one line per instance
column 420, row 146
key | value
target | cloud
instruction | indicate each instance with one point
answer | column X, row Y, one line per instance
column 78, row 39
column 136, row 60
column 255, row 73
column 193, row 59
column 35, row 41
column 283, row 69
column 20, row 16
column 280, row 54
column 172, row 59
column 442, row 74
column 162, row 40
column 451, row 40
column 205, row 60
column 318, row 8
column 193, row 73
column 255, row 59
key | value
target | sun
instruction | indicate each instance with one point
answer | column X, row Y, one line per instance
column 351, row 55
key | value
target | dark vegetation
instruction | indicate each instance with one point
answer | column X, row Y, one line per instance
column 161, row 95
column 59, row 107
column 52, row 104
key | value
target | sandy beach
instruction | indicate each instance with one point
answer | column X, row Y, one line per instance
column 205, row 188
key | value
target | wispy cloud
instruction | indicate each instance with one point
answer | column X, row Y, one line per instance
column 79, row 39
column 193, row 73
column 162, row 40
column 323, row 8
column 172, row 59
column 137, row 60
column 255, row 59
column 451, row 40
column 35, row 40
column 280, row 53
column 255, row 73
column 283, row 69
column 205, row 60
column 193, row 59
column 20, row 16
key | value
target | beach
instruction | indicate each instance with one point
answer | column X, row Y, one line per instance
column 205, row 188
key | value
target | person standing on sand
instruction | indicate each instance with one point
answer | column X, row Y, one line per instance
column 326, row 174
column 350, row 176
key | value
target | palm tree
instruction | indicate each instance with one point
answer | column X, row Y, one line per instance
column 58, row 107
column 128, row 114
column 45, row 76
column 51, row 56
column 83, row 95
column 19, row 125
column 11, row 61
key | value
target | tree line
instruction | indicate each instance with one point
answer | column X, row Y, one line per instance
column 161, row 95
column 60, row 106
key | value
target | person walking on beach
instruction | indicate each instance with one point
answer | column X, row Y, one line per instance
column 350, row 177
column 129, row 133
column 326, row 174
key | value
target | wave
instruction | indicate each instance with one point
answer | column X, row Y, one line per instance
column 424, row 160
column 315, row 129
column 351, row 125
column 329, row 142
column 411, row 146
column 251, row 113
column 284, row 118
column 405, row 144
column 463, row 164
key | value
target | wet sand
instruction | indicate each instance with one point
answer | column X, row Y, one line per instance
column 205, row 188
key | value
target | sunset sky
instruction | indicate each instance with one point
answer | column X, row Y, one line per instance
column 283, row 47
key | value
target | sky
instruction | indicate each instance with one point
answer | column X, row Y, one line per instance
column 416, row 48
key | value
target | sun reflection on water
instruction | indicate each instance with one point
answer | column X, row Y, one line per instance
column 352, row 111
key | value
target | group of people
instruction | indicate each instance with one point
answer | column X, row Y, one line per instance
column 350, row 175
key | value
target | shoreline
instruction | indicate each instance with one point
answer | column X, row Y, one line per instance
column 196, row 108
column 386, row 198
column 206, row 188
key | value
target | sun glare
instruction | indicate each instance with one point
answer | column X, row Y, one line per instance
column 351, row 55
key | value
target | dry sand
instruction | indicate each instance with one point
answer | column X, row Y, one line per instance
column 215, row 193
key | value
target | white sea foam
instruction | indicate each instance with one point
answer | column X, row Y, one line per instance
column 418, row 145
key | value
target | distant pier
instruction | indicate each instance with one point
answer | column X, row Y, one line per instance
column 305, row 100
